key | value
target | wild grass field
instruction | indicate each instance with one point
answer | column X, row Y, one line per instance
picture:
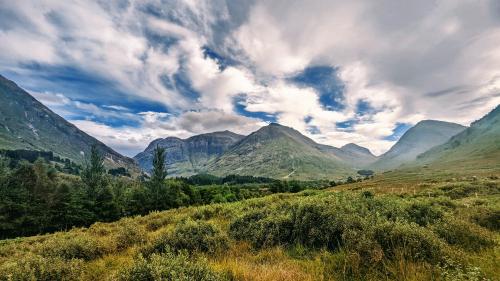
column 387, row 228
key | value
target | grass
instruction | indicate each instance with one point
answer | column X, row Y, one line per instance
column 398, row 226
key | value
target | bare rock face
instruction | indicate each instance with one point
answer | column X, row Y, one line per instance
column 188, row 156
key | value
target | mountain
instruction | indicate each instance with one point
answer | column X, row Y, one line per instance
column 477, row 147
column 189, row 156
column 351, row 154
column 280, row 152
column 418, row 139
column 25, row 123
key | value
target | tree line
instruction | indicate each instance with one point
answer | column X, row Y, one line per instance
column 38, row 197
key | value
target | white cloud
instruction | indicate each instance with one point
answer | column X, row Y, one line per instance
column 132, row 140
column 410, row 61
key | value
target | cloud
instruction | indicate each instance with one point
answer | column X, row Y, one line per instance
column 130, row 140
column 338, row 71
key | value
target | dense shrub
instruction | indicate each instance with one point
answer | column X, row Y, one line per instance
column 156, row 220
column 169, row 267
column 316, row 226
column 462, row 190
column 457, row 191
column 410, row 241
column 129, row 233
column 72, row 247
column 192, row 236
column 34, row 267
column 463, row 234
column 424, row 213
column 488, row 218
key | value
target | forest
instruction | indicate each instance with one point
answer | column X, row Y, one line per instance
column 39, row 195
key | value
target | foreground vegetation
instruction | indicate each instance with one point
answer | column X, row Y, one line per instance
column 446, row 229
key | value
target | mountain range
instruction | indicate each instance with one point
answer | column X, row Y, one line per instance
column 273, row 151
column 188, row 156
column 25, row 123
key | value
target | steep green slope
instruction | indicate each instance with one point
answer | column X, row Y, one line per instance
column 477, row 147
column 418, row 139
column 187, row 157
column 25, row 123
column 280, row 152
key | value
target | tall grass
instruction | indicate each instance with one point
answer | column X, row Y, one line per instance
column 444, row 231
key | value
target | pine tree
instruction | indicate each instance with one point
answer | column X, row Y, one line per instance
column 93, row 172
column 158, row 175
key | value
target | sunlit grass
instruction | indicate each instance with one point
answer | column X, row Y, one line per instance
column 105, row 251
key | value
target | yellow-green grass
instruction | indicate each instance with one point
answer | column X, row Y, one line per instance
column 105, row 251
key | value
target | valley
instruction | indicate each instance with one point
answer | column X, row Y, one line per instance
column 271, row 205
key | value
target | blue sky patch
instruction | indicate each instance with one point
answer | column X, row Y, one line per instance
column 325, row 80
column 346, row 126
column 400, row 129
column 313, row 130
column 240, row 109
column 364, row 107
column 221, row 61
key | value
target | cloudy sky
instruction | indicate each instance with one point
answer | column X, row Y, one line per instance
column 128, row 71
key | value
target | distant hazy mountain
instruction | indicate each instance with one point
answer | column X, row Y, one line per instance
column 280, row 152
column 351, row 154
column 418, row 139
column 477, row 147
column 189, row 156
column 25, row 123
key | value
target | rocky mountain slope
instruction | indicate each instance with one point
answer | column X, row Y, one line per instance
column 189, row 156
column 25, row 123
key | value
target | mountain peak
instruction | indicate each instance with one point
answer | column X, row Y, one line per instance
column 430, row 122
column 418, row 139
column 187, row 156
column 352, row 147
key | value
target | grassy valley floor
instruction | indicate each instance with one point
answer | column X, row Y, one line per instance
column 397, row 226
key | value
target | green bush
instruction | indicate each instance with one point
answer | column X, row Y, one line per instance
column 424, row 213
column 488, row 218
column 169, row 267
column 464, row 235
column 193, row 236
column 129, row 233
column 72, row 247
column 157, row 222
column 34, row 267
column 312, row 225
column 410, row 241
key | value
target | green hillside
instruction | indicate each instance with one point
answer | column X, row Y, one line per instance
column 418, row 139
column 280, row 152
column 25, row 123
column 476, row 148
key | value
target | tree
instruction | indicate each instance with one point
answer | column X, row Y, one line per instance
column 158, row 175
column 93, row 172
column 350, row 180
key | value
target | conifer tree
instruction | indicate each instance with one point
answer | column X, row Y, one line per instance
column 93, row 172
column 158, row 175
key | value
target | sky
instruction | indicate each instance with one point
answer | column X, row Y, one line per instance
column 128, row 72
